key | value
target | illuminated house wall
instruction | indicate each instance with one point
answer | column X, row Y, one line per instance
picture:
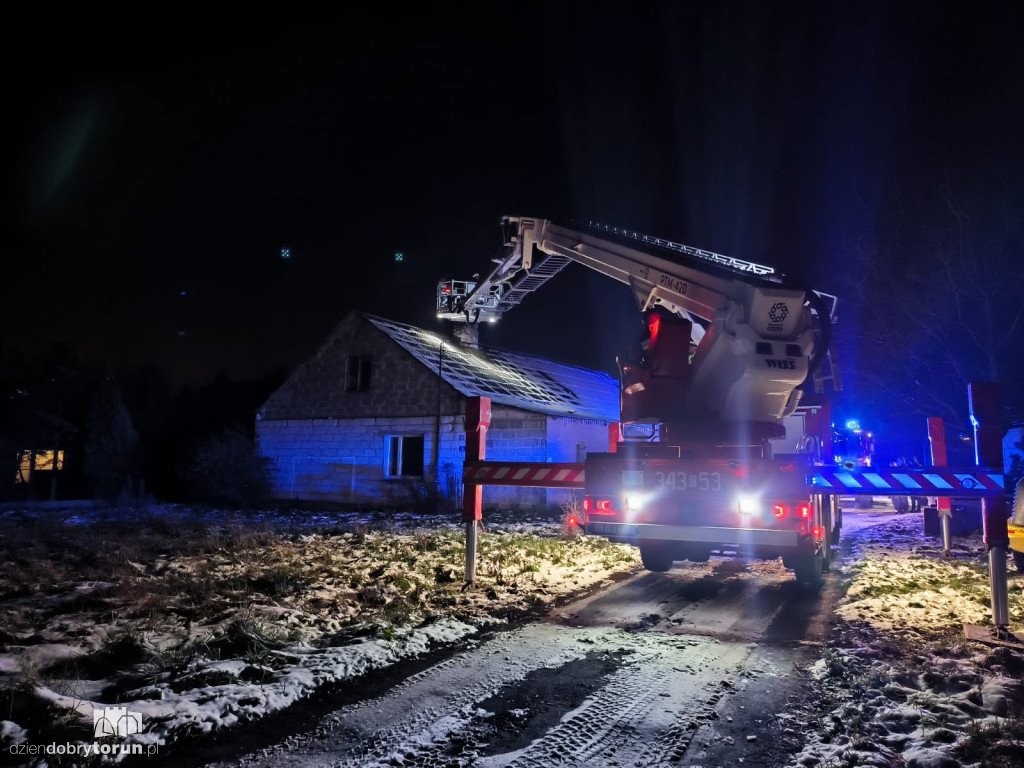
column 359, row 421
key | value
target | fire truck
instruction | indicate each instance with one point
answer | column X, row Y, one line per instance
column 714, row 445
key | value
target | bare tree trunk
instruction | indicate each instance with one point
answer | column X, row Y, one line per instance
column 31, row 474
column 53, row 471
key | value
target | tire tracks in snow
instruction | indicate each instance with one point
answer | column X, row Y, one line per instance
column 633, row 676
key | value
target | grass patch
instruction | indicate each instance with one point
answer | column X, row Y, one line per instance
column 163, row 599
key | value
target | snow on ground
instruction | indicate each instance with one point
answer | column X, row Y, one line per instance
column 900, row 683
column 199, row 620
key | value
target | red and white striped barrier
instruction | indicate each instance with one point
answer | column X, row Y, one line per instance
column 894, row 482
column 523, row 473
column 937, row 481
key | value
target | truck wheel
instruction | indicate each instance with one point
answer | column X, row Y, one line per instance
column 809, row 569
column 656, row 557
column 1018, row 560
column 698, row 555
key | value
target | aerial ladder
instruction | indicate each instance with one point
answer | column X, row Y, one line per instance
column 727, row 341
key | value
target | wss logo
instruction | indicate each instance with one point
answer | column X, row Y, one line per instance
column 778, row 312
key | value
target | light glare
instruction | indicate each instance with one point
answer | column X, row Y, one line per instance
column 749, row 505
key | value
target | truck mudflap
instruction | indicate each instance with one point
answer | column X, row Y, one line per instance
column 714, row 535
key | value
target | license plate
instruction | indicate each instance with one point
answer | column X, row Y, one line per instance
column 689, row 482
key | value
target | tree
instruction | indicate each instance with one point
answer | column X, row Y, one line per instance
column 111, row 446
column 227, row 469
column 43, row 398
column 938, row 302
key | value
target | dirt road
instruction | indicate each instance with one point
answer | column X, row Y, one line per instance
column 702, row 665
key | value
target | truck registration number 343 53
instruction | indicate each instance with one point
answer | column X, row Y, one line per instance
column 685, row 481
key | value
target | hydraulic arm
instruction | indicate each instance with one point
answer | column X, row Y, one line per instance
column 726, row 341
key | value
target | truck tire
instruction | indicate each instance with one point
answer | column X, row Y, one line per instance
column 697, row 554
column 809, row 569
column 656, row 556
column 1018, row 560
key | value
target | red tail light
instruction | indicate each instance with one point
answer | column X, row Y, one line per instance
column 598, row 506
column 800, row 512
column 572, row 522
column 817, row 532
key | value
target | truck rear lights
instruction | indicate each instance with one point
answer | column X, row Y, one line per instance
column 817, row 533
column 598, row 506
column 749, row 505
column 634, row 503
column 797, row 511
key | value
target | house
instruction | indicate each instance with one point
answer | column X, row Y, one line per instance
column 377, row 416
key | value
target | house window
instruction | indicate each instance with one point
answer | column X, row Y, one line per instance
column 403, row 456
column 34, row 461
column 357, row 373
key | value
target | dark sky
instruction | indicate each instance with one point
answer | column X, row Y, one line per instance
column 161, row 162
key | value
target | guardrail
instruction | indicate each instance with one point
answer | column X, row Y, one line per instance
column 923, row 481
column 524, row 474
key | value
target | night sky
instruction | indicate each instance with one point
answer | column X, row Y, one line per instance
column 162, row 162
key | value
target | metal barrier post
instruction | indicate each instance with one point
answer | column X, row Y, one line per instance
column 986, row 416
column 478, row 419
column 937, row 441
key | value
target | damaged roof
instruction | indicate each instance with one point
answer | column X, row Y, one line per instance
column 510, row 378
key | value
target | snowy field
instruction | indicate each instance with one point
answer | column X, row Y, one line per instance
column 901, row 684
column 198, row 621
